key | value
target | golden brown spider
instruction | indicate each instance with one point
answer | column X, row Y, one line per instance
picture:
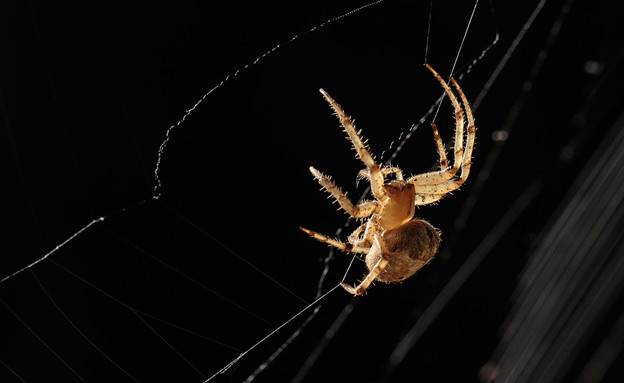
column 396, row 244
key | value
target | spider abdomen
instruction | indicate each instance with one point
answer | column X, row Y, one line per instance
column 410, row 246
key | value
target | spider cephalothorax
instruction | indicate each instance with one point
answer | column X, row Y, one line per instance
column 395, row 243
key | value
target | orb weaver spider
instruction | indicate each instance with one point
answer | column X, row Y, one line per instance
column 395, row 243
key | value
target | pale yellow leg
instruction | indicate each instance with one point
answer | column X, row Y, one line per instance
column 372, row 227
column 442, row 182
column 362, row 210
column 376, row 176
column 377, row 269
column 385, row 171
column 335, row 243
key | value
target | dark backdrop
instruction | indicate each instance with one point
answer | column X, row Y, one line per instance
column 88, row 90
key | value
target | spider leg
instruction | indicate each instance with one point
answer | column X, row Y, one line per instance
column 385, row 171
column 470, row 137
column 440, row 183
column 376, row 270
column 440, row 147
column 426, row 199
column 433, row 178
column 356, row 233
column 376, row 176
column 355, row 236
column 371, row 228
column 446, row 186
column 335, row 243
column 445, row 173
column 459, row 119
column 362, row 210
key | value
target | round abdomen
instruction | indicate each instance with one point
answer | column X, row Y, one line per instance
column 411, row 246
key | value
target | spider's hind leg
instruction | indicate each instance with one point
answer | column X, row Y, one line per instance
column 377, row 269
column 370, row 228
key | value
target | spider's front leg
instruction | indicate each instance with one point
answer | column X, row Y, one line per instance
column 363, row 210
column 398, row 173
column 374, row 170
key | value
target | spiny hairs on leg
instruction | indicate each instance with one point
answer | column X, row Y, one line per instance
column 465, row 161
column 376, row 177
column 362, row 210
column 335, row 243
column 459, row 118
column 349, row 128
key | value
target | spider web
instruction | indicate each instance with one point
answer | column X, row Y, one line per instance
column 212, row 279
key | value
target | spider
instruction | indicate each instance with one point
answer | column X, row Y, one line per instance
column 395, row 243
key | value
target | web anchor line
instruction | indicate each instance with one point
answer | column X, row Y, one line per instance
column 59, row 246
column 241, row 355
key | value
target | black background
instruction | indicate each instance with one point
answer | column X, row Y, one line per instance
column 89, row 89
